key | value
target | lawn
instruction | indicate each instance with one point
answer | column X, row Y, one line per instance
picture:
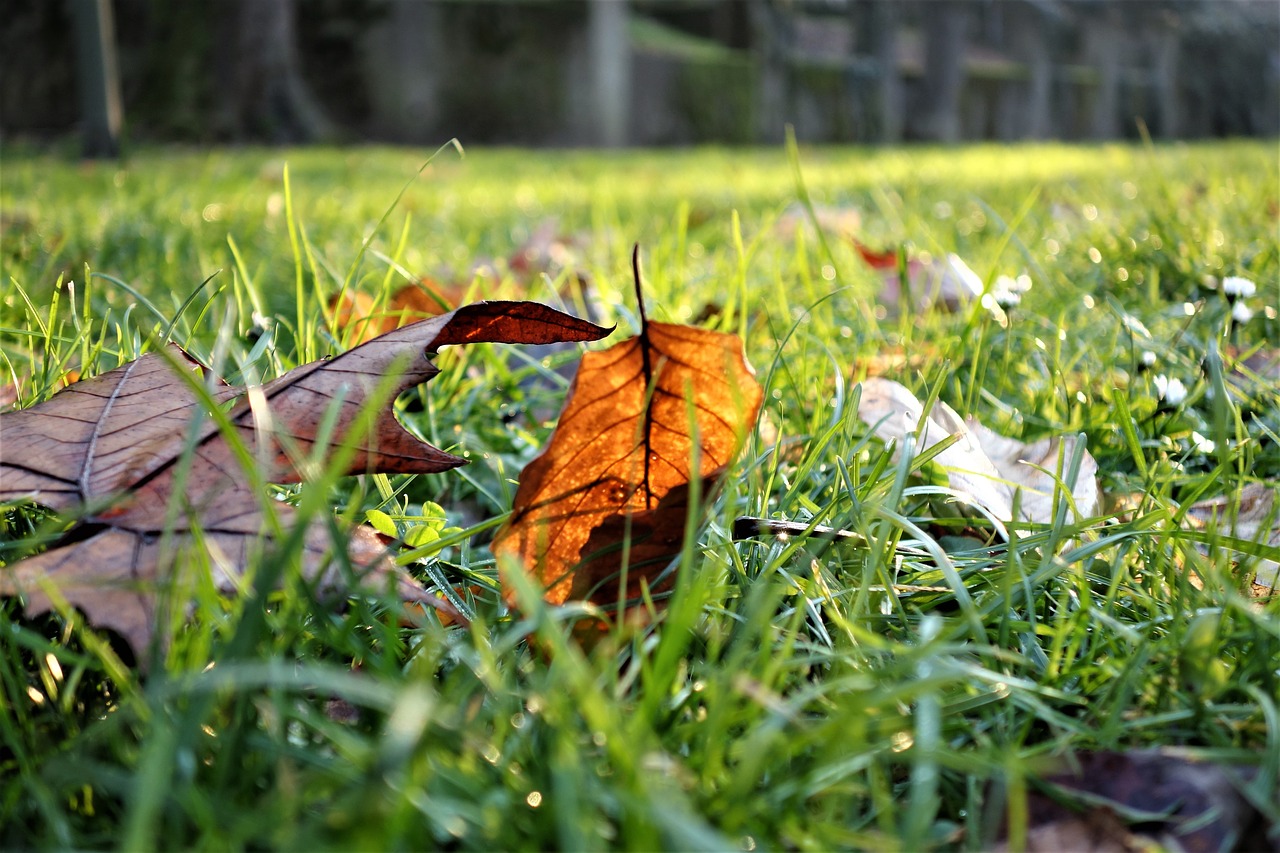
column 794, row 692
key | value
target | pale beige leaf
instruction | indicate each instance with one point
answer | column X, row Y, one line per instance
column 1036, row 469
column 981, row 464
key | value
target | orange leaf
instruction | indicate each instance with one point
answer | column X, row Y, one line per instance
column 878, row 260
column 612, row 485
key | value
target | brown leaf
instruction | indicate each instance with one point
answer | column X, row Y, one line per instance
column 1134, row 800
column 112, row 446
column 614, row 479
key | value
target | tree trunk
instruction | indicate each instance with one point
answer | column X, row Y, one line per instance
column 1164, row 79
column 771, row 37
column 265, row 95
column 1103, row 43
column 97, row 73
column 610, row 54
column 404, row 57
column 884, row 30
column 1029, row 39
column 945, row 22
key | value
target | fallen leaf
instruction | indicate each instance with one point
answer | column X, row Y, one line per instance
column 10, row 389
column 1256, row 518
column 1261, row 368
column 546, row 251
column 611, row 490
column 358, row 318
column 896, row 359
column 839, row 220
column 112, row 448
column 1034, row 468
column 1143, row 799
column 945, row 285
column 982, row 465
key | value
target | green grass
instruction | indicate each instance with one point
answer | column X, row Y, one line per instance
column 795, row 693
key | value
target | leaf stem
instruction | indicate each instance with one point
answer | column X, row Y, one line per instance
column 635, row 272
column 646, row 367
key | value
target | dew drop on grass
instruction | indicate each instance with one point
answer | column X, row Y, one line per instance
column 1095, row 255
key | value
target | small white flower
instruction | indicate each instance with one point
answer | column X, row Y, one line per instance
column 1007, row 298
column 1238, row 287
column 1170, row 391
column 1241, row 312
column 1148, row 358
column 1201, row 444
column 1008, row 291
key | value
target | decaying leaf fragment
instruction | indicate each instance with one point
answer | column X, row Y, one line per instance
column 358, row 317
column 945, row 285
column 113, row 447
column 1143, row 800
column 1252, row 515
column 982, row 464
column 611, row 489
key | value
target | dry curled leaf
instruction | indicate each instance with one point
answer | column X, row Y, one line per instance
column 643, row 419
column 112, row 448
column 981, row 464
